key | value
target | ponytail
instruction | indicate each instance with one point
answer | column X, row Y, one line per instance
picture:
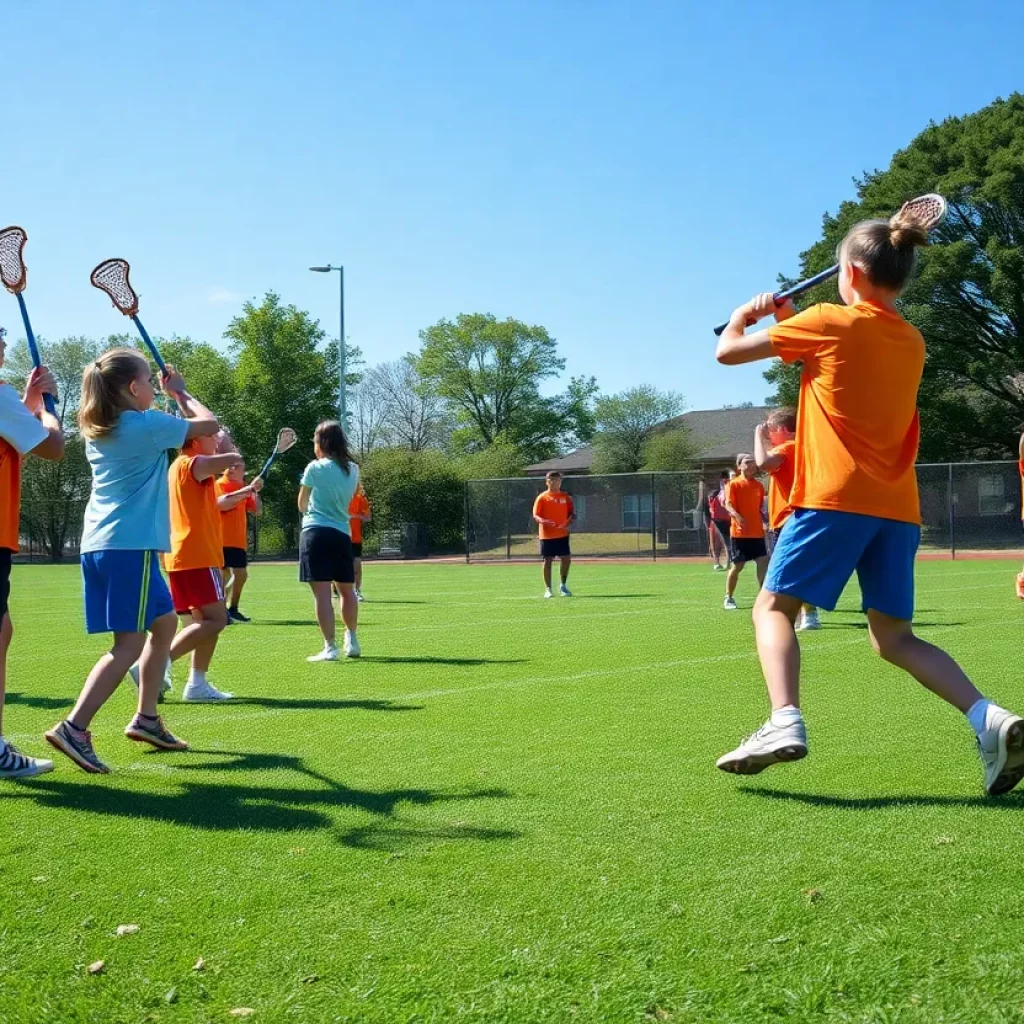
column 105, row 384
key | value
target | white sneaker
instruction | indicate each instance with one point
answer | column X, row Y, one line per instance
column 329, row 653
column 166, row 686
column 1001, row 747
column 203, row 693
column 769, row 745
column 359, row 596
column 719, row 567
column 808, row 622
column 352, row 648
column 564, row 591
column 729, row 604
column 547, row 593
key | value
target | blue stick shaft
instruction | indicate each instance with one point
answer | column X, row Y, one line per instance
column 798, row 289
column 33, row 351
column 149, row 344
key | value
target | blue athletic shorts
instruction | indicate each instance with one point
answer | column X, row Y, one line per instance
column 124, row 591
column 818, row 551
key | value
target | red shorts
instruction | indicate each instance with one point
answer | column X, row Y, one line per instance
column 194, row 588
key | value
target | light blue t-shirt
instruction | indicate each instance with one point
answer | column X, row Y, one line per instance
column 129, row 509
column 331, row 494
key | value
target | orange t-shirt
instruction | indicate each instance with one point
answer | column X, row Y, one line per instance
column 234, row 527
column 1020, row 466
column 558, row 509
column 196, row 536
column 359, row 506
column 857, row 428
column 746, row 497
column 10, row 495
column 780, row 485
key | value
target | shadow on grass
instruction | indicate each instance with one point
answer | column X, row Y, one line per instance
column 322, row 704
column 221, row 807
column 1010, row 802
column 430, row 660
column 29, row 700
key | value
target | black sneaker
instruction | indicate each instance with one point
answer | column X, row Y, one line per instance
column 234, row 615
column 77, row 746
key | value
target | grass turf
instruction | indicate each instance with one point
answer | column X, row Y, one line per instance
column 508, row 811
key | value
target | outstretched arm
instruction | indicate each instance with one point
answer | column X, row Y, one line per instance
column 736, row 347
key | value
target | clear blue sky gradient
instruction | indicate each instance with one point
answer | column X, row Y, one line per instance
column 622, row 173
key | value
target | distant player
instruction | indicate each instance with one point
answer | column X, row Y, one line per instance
column 744, row 495
column 236, row 500
column 855, row 498
column 195, row 560
column 720, row 524
column 553, row 511
column 25, row 428
column 1020, row 466
column 774, row 450
column 358, row 513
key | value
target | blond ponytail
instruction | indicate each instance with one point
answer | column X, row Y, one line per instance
column 105, row 394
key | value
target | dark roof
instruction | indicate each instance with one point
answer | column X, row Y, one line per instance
column 720, row 435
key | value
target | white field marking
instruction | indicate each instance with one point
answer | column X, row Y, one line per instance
column 400, row 698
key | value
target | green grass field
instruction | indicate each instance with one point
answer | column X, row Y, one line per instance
column 508, row 811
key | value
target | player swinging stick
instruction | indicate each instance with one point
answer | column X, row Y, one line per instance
column 855, row 498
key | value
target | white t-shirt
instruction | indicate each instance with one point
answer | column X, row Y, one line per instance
column 18, row 427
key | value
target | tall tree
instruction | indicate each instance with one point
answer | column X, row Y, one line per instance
column 626, row 422
column 66, row 360
column 415, row 416
column 968, row 296
column 491, row 372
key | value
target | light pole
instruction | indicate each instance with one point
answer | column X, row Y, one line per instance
column 342, row 407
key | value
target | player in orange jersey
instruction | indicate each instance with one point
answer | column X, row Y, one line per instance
column 25, row 427
column 774, row 450
column 236, row 500
column 358, row 513
column 194, row 563
column 554, row 513
column 744, row 495
column 1020, row 466
column 855, row 498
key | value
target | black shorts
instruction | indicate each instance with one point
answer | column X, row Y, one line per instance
column 557, row 548
column 236, row 558
column 357, row 549
column 723, row 527
column 325, row 556
column 5, row 579
column 748, row 549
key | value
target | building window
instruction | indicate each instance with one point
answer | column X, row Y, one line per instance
column 637, row 512
column 579, row 506
column 991, row 499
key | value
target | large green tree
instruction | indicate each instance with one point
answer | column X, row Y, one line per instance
column 627, row 422
column 968, row 295
column 490, row 373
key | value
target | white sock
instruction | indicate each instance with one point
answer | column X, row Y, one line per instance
column 977, row 713
column 197, row 678
column 788, row 715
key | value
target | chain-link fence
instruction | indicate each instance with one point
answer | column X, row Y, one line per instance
column 972, row 506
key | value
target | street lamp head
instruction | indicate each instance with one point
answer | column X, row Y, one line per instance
column 322, row 270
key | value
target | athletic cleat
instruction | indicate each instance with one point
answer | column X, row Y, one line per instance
column 1020, row 585
column 203, row 693
column 234, row 615
column 808, row 622
column 329, row 653
column 77, row 746
column 729, row 604
column 718, row 568
column 359, row 596
column 155, row 734
column 16, row 765
column 1001, row 747
column 564, row 591
column 770, row 745
column 352, row 648
column 547, row 593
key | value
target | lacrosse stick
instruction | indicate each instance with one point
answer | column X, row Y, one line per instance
column 928, row 211
column 111, row 276
column 14, row 275
column 286, row 438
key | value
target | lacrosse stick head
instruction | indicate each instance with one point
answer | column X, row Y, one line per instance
column 286, row 438
column 13, row 272
column 925, row 212
column 111, row 276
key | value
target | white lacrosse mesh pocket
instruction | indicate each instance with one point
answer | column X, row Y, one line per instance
column 111, row 277
column 12, row 267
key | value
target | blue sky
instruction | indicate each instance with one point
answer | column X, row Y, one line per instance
column 622, row 173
